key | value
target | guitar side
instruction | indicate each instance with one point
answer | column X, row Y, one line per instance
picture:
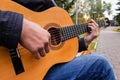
column 36, row 69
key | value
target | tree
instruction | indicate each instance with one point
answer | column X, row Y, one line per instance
column 117, row 17
column 97, row 8
column 90, row 8
column 93, row 8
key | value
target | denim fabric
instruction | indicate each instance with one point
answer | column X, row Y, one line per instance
column 87, row 67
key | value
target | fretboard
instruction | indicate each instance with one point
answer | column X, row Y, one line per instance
column 69, row 32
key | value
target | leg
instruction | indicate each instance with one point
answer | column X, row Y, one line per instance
column 87, row 67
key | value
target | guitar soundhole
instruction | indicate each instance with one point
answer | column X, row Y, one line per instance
column 55, row 36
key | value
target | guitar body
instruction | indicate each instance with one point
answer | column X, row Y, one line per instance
column 36, row 69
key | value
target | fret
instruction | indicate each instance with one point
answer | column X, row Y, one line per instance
column 100, row 23
column 66, row 30
column 78, row 30
column 87, row 30
column 72, row 30
column 82, row 28
column 69, row 32
column 63, row 33
column 85, row 27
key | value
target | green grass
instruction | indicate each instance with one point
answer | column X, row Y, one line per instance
column 92, row 45
column 117, row 30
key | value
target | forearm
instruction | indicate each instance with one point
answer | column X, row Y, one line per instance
column 10, row 28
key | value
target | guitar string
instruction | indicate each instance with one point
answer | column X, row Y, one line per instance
column 68, row 32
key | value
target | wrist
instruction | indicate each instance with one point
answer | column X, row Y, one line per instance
column 82, row 45
column 87, row 42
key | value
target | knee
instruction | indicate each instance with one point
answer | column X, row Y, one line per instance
column 101, row 61
column 102, row 58
column 96, row 59
column 103, row 66
column 99, row 57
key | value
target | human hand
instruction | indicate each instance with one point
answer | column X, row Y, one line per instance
column 92, row 34
column 35, row 39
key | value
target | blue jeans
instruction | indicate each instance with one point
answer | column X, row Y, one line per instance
column 87, row 67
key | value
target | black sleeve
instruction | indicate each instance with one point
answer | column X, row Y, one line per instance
column 36, row 5
column 10, row 28
column 82, row 45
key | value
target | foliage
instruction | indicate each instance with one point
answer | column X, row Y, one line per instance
column 86, row 8
column 93, row 8
column 98, row 8
column 117, row 29
column 117, row 17
column 81, row 18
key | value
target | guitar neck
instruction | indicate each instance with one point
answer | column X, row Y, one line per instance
column 69, row 32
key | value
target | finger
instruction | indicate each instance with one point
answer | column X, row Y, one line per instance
column 47, row 47
column 94, row 31
column 42, row 52
column 95, row 23
column 49, row 41
column 37, row 55
column 91, row 25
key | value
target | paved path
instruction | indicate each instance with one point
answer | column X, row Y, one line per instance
column 109, row 45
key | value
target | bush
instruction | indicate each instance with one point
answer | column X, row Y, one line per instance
column 118, row 30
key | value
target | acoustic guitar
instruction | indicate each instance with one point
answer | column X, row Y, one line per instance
column 64, row 43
